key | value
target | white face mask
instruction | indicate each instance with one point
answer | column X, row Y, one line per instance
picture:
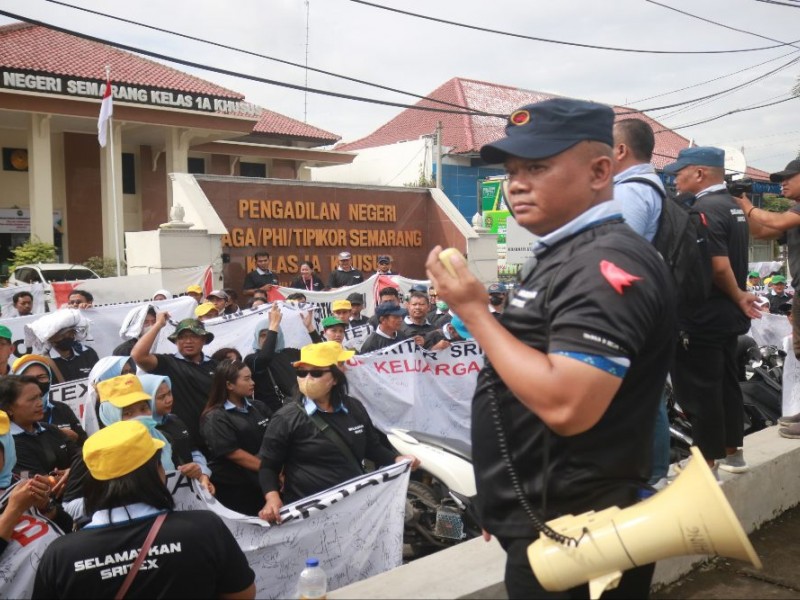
column 145, row 329
column 315, row 389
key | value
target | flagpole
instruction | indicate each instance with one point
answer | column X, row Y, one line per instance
column 113, row 180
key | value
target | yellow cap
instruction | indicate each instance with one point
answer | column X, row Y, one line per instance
column 324, row 354
column 203, row 309
column 119, row 449
column 194, row 289
column 122, row 391
column 341, row 305
column 5, row 423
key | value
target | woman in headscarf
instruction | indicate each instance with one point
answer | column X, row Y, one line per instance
column 187, row 457
column 270, row 367
column 106, row 368
column 197, row 556
column 161, row 295
column 321, row 437
column 232, row 427
column 56, row 413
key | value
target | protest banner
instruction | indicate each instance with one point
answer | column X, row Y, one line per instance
column 105, row 325
column 32, row 535
column 134, row 288
column 406, row 387
column 355, row 530
column 770, row 329
column 36, row 290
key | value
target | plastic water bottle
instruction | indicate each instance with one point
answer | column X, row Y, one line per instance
column 313, row 584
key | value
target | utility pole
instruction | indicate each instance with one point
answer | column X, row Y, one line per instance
column 439, row 155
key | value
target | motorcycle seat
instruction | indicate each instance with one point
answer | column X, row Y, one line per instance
column 456, row 447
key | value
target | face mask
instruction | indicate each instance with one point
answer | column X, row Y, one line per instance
column 146, row 420
column 65, row 344
column 495, row 300
column 442, row 305
column 145, row 329
column 315, row 389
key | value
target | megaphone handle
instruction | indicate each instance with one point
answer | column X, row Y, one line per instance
column 502, row 442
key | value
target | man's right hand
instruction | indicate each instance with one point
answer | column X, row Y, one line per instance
column 271, row 512
column 748, row 303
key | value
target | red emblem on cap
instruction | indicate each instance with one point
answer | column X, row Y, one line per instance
column 616, row 277
column 520, row 117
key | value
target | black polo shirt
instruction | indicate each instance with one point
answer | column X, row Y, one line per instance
column 226, row 430
column 78, row 365
column 254, row 280
column 191, row 383
column 310, row 461
column 567, row 304
column 376, row 341
column 728, row 235
column 194, row 556
column 339, row 278
column 42, row 451
column 410, row 329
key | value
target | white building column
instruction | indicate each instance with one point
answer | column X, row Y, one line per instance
column 40, row 178
column 177, row 145
column 111, row 195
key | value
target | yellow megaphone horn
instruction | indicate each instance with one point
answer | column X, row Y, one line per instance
column 690, row 516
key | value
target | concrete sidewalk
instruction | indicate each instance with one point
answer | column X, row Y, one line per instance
column 764, row 499
column 778, row 545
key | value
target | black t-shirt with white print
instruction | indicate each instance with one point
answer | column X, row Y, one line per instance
column 194, row 555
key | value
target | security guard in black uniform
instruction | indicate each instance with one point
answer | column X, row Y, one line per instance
column 562, row 417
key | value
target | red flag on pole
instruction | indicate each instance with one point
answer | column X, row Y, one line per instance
column 106, row 112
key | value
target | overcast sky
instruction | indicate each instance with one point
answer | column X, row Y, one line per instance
column 417, row 56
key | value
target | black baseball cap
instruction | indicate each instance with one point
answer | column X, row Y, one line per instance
column 390, row 308
column 356, row 298
column 549, row 127
column 792, row 169
column 384, row 259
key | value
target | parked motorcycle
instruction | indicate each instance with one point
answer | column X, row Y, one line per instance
column 439, row 511
column 763, row 389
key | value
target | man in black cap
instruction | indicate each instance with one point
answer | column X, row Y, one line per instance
column 387, row 294
column 356, row 306
column 591, row 333
column 497, row 298
column 189, row 369
column 705, row 377
column 385, row 265
column 767, row 225
column 390, row 321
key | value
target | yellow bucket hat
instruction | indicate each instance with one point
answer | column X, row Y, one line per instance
column 122, row 391
column 324, row 354
column 194, row 289
column 119, row 449
column 5, row 423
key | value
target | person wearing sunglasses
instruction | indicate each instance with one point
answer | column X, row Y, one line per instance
column 321, row 437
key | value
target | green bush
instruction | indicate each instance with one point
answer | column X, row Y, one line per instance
column 32, row 252
column 105, row 267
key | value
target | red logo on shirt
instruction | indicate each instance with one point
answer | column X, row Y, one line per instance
column 618, row 278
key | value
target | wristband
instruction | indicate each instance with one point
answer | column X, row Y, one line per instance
column 751, row 210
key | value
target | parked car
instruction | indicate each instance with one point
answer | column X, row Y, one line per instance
column 47, row 273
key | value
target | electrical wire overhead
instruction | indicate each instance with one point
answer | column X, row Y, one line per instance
column 562, row 42
column 730, row 112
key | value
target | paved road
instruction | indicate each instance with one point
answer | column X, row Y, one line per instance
column 778, row 545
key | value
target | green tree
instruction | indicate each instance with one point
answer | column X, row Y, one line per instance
column 32, row 252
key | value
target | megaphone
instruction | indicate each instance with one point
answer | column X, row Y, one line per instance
column 690, row 516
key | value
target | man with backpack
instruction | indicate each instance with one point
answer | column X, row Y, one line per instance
column 642, row 194
column 705, row 374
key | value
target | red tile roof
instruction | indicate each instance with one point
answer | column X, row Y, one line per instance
column 37, row 48
column 465, row 134
column 274, row 123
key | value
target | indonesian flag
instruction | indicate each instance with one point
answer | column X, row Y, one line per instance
column 106, row 112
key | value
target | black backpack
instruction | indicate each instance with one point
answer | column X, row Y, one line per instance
column 682, row 240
